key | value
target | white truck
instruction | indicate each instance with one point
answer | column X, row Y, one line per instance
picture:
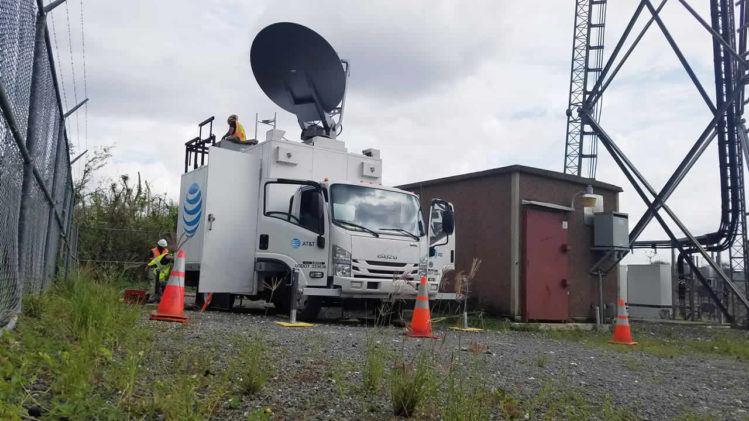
column 261, row 218
column 254, row 215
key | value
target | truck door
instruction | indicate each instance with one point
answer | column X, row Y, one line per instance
column 231, row 215
column 441, row 240
column 293, row 229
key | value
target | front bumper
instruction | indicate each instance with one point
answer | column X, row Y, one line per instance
column 381, row 288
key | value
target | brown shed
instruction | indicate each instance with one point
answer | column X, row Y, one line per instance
column 535, row 249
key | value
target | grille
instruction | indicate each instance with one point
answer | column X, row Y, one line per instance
column 384, row 270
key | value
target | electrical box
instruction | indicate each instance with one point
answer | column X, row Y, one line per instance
column 286, row 155
column 370, row 170
column 611, row 230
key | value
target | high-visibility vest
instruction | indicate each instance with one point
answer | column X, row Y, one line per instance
column 161, row 270
column 239, row 131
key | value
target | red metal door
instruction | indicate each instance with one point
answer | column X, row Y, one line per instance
column 545, row 265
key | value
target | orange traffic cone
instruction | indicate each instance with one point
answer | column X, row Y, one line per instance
column 172, row 305
column 622, row 333
column 421, row 323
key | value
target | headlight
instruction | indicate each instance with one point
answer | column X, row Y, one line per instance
column 341, row 262
column 423, row 266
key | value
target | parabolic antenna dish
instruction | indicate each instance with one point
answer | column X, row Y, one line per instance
column 298, row 70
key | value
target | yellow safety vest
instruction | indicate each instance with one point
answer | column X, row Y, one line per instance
column 161, row 270
column 239, row 132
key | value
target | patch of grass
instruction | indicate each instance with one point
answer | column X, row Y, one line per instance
column 260, row 414
column 64, row 349
column 411, row 384
column 632, row 363
column 374, row 365
column 541, row 360
column 561, row 402
column 252, row 366
column 468, row 398
column 729, row 344
column 339, row 376
column 510, row 406
column 79, row 353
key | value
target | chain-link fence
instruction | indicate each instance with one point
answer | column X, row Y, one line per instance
column 36, row 189
column 125, row 248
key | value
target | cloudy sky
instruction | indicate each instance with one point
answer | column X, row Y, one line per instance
column 440, row 87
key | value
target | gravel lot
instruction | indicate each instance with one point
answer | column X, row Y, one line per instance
column 317, row 371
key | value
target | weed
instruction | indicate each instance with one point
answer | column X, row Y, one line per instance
column 617, row 413
column 410, row 385
column 33, row 305
column 467, row 397
column 339, row 374
column 541, row 360
column 476, row 347
column 510, row 406
column 563, row 402
column 251, row 366
column 374, row 366
column 631, row 363
column 260, row 414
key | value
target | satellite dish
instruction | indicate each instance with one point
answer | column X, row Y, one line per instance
column 299, row 71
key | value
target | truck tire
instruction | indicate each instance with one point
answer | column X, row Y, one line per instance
column 308, row 308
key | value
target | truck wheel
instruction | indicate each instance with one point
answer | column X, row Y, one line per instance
column 308, row 308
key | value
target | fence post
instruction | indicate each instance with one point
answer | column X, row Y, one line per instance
column 68, row 216
column 51, row 251
column 31, row 138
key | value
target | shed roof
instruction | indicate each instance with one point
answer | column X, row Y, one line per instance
column 512, row 169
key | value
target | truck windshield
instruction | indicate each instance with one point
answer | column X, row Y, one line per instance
column 378, row 210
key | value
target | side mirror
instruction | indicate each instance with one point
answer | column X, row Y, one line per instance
column 320, row 242
column 448, row 221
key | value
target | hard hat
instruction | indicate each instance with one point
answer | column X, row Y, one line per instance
column 162, row 243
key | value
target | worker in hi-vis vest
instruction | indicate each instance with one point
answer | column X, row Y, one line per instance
column 236, row 130
column 158, row 267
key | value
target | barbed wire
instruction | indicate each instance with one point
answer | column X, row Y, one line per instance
column 85, row 82
column 57, row 59
column 72, row 71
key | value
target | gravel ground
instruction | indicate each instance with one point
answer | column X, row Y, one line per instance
column 307, row 362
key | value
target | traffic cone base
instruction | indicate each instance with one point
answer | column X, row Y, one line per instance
column 421, row 323
column 167, row 318
column 622, row 331
column 172, row 305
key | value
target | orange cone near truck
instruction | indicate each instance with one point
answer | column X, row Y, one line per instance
column 421, row 320
column 172, row 305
